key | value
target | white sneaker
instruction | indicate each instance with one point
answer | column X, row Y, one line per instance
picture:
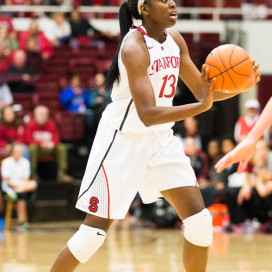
column 11, row 194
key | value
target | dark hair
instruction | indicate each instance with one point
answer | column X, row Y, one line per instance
column 128, row 10
column 14, row 123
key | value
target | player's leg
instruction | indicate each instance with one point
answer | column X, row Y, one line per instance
column 189, row 205
column 83, row 244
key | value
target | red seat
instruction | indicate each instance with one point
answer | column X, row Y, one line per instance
column 24, row 99
column 50, row 100
column 71, row 126
column 47, row 87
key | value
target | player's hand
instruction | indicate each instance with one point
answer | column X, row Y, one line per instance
column 241, row 153
column 255, row 77
column 207, row 87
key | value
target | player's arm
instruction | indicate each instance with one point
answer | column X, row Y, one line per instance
column 245, row 150
column 136, row 60
column 191, row 76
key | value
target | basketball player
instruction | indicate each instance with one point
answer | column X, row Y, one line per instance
column 134, row 149
column 244, row 151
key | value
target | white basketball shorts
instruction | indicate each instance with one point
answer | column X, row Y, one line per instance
column 122, row 164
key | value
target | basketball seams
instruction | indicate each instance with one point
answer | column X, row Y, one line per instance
column 232, row 67
column 226, row 70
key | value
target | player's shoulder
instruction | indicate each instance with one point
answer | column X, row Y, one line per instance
column 177, row 37
column 134, row 48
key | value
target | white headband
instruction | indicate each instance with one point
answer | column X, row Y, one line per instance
column 140, row 3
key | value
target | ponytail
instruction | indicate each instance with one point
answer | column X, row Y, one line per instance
column 127, row 10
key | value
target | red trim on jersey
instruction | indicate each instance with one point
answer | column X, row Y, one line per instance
column 144, row 32
column 196, row 183
column 108, row 190
column 141, row 30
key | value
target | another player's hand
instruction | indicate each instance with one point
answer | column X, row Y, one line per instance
column 207, row 87
column 241, row 153
column 255, row 77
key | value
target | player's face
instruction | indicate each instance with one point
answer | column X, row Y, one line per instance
column 163, row 12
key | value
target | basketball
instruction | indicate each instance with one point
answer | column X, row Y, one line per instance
column 232, row 67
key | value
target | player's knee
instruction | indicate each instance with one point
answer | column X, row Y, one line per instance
column 198, row 229
column 85, row 242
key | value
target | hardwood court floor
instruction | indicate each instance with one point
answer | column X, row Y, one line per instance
column 134, row 251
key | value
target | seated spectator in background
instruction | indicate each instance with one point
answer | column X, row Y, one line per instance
column 11, row 131
column 6, row 57
column 17, row 2
column 43, row 44
column 199, row 161
column 16, row 183
column 252, row 10
column 191, row 130
column 11, row 42
column 247, row 122
column 60, row 2
column 79, row 26
column 42, row 137
column 61, row 31
column 6, row 21
column 234, row 183
column 5, row 93
column 74, row 98
column 20, row 76
column 99, row 98
column 214, row 154
column 263, row 169
column 34, row 57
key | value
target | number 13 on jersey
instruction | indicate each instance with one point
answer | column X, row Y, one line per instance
column 165, row 92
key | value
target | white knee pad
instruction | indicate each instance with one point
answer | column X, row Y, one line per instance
column 198, row 229
column 85, row 242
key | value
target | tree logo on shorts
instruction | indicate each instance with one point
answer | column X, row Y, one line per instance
column 93, row 204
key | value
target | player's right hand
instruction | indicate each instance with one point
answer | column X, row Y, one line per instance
column 207, row 87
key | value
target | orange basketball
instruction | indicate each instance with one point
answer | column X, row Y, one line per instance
column 232, row 67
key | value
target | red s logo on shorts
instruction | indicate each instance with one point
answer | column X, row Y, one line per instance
column 93, row 204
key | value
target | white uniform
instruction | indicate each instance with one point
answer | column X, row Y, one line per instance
column 126, row 156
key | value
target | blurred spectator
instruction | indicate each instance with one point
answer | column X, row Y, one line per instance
column 43, row 44
column 263, row 168
column 6, row 57
column 234, row 182
column 11, row 131
column 252, row 10
column 42, row 137
column 19, row 75
column 6, row 21
column 74, row 98
column 34, row 57
column 60, row 2
column 17, row 2
column 62, row 29
column 247, row 122
column 99, row 98
column 214, row 154
column 199, row 161
column 15, row 172
column 10, row 41
column 79, row 26
column 5, row 93
column 191, row 130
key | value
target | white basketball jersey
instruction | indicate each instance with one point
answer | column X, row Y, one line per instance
column 163, row 72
